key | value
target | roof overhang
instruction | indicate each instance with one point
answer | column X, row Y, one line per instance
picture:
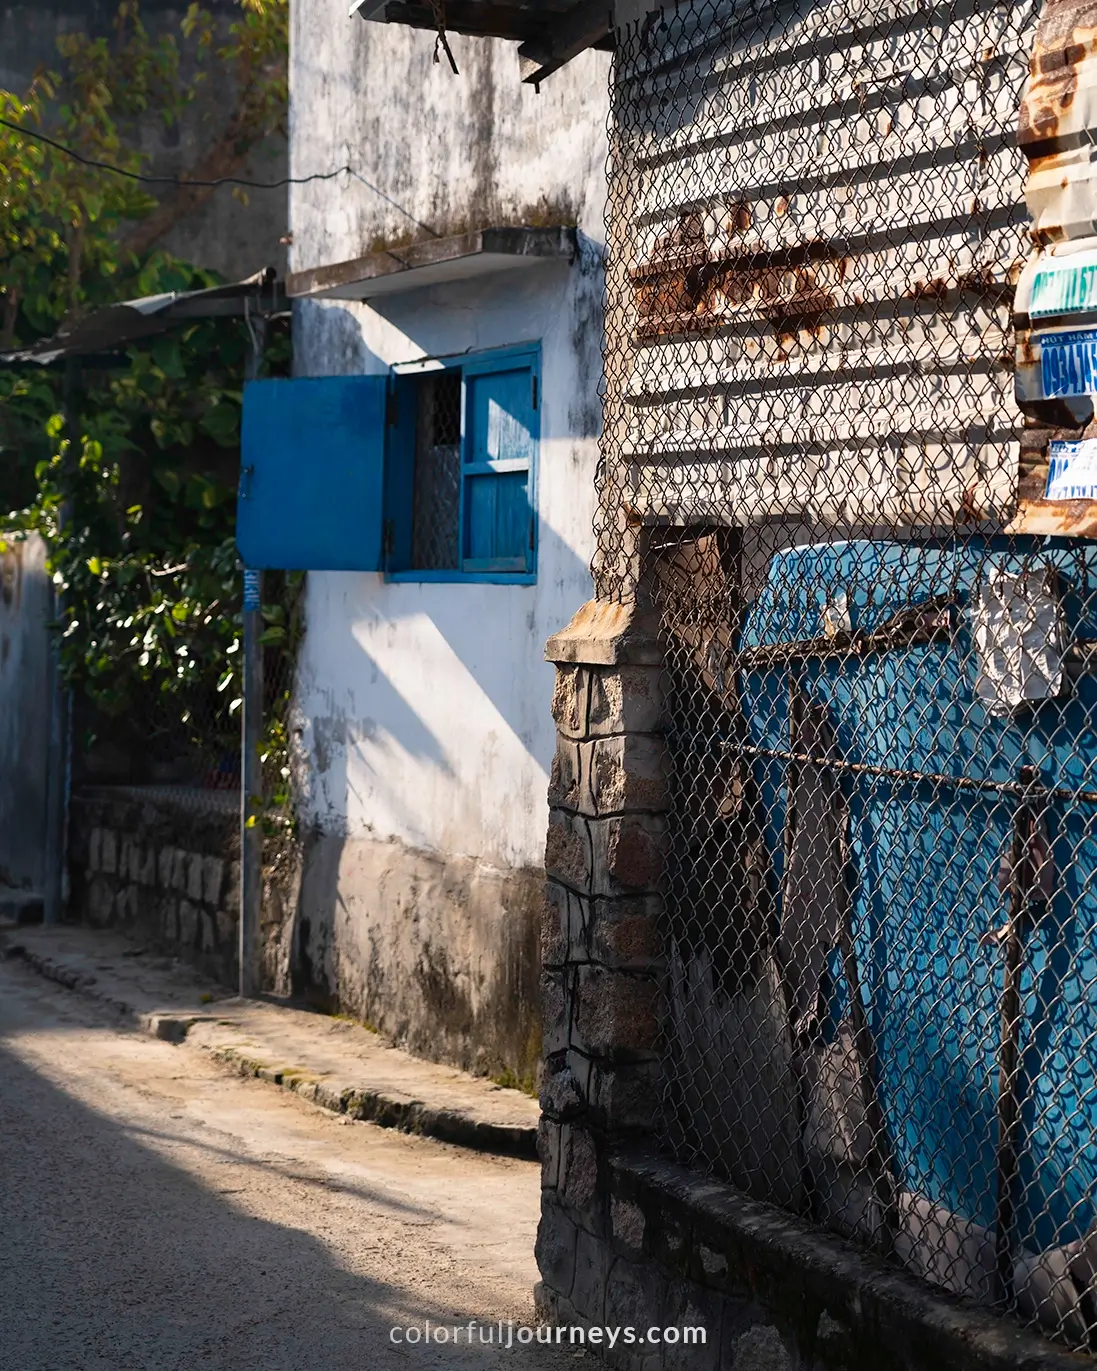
column 115, row 327
column 551, row 32
column 434, row 261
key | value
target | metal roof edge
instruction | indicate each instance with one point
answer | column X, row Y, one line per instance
column 114, row 326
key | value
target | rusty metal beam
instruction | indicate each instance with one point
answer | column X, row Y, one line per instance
column 589, row 23
column 475, row 18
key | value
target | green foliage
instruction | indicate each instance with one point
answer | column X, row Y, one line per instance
column 136, row 496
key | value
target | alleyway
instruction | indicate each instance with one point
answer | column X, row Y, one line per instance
column 156, row 1213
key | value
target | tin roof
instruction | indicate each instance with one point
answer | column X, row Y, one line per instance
column 551, row 32
column 116, row 326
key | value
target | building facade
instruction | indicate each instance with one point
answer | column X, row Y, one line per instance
column 426, row 738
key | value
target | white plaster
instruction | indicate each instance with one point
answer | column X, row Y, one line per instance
column 427, row 706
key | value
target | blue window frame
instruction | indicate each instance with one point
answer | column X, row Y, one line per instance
column 461, row 464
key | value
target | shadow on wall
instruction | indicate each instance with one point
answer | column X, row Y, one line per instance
column 333, row 342
column 500, row 655
column 440, row 951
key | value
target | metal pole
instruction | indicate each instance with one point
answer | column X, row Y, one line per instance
column 59, row 779
column 1009, row 1061
column 54, row 858
column 251, row 726
column 251, row 785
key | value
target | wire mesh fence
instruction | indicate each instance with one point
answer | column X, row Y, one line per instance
column 881, row 708
column 436, row 502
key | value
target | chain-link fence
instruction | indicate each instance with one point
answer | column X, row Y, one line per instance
column 881, row 921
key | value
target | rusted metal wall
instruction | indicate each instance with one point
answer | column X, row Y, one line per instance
column 879, row 711
column 24, row 711
column 816, row 270
column 1056, row 306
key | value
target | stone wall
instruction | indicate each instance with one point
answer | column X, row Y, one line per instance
column 657, row 1247
column 628, row 1240
column 163, row 869
column 600, row 941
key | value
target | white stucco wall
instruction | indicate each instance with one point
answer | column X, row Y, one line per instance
column 426, row 706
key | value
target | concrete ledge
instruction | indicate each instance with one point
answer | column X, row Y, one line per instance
column 605, row 633
column 837, row 1304
column 332, row 1063
column 434, row 261
column 384, row 1108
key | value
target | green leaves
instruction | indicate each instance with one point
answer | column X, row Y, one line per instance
column 136, row 498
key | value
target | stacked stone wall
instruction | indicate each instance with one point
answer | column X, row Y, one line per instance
column 164, row 871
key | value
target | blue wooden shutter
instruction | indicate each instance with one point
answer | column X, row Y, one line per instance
column 312, row 474
column 500, row 442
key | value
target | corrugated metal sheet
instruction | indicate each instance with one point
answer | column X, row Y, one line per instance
column 826, row 226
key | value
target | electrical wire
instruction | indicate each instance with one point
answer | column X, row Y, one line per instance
column 170, row 180
column 183, row 183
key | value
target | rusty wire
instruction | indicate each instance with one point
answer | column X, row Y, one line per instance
column 881, row 717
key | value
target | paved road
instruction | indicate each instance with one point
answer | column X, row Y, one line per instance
column 156, row 1214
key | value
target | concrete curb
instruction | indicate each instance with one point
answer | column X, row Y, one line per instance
column 376, row 1106
column 356, row 1101
column 172, row 1028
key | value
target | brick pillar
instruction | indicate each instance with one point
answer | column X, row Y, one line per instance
column 600, row 938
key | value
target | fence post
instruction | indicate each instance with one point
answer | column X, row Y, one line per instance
column 601, row 940
column 59, row 779
column 251, row 781
column 251, row 727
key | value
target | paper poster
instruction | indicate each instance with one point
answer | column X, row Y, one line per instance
column 1072, row 470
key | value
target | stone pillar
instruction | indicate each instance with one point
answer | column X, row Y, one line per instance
column 601, row 953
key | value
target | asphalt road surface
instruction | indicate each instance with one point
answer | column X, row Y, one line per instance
column 157, row 1214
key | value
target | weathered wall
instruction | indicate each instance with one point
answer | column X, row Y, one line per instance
column 24, row 711
column 450, row 153
column 437, row 951
column 164, row 869
column 225, row 234
column 427, row 731
column 671, row 1250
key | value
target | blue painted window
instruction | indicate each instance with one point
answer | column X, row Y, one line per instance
column 312, row 474
column 463, row 438
column 426, row 473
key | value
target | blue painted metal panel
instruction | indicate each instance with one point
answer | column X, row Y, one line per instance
column 498, row 452
column 312, row 474
column 928, row 858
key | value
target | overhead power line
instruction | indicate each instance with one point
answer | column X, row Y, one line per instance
column 183, row 183
column 179, row 181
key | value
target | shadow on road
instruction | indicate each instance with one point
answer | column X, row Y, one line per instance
column 114, row 1259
